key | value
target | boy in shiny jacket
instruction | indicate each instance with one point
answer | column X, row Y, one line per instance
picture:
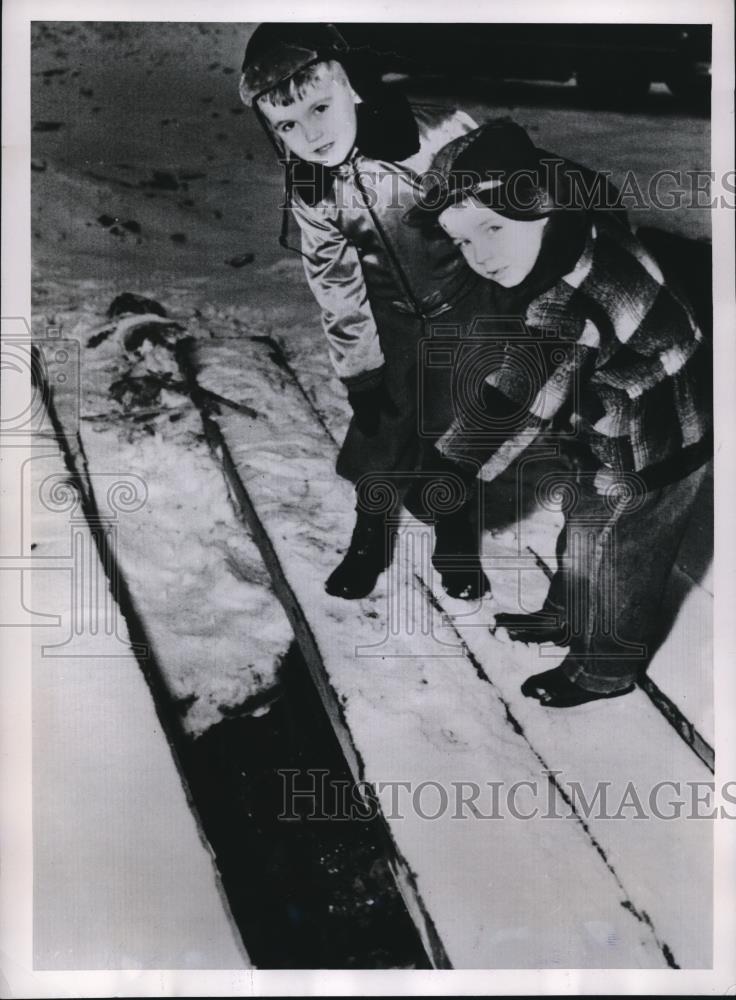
column 353, row 154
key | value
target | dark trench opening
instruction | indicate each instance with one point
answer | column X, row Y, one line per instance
column 305, row 893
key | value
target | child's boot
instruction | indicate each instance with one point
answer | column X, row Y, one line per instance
column 538, row 626
column 368, row 555
column 456, row 556
column 554, row 689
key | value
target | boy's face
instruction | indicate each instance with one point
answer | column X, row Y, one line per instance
column 321, row 125
column 504, row 250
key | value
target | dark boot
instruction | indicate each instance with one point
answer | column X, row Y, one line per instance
column 539, row 626
column 456, row 557
column 368, row 555
column 554, row 689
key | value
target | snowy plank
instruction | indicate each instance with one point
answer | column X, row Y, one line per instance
column 117, row 850
column 680, row 677
column 683, row 666
column 624, row 749
column 412, row 708
column 194, row 574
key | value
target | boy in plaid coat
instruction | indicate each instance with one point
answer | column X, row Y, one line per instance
column 625, row 372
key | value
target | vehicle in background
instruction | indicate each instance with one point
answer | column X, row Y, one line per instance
column 610, row 62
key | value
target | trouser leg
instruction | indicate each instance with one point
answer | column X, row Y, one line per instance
column 555, row 603
column 617, row 561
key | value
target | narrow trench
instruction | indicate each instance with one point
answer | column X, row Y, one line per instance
column 306, row 893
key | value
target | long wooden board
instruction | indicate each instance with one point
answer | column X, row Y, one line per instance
column 123, row 877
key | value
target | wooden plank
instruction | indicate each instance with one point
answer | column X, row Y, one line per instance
column 504, row 893
column 117, row 851
column 629, row 744
column 191, row 569
column 683, row 666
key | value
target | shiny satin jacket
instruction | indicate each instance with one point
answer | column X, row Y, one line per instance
column 361, row 259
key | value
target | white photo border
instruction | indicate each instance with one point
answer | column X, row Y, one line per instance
column 15, row 754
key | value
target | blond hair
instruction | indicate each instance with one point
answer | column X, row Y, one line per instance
column 295, row 87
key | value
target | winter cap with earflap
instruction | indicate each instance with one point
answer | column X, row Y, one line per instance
column 277, row 50
column 497, row 165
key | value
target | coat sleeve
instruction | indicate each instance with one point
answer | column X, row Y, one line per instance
column 335, row 276
column 522, row 395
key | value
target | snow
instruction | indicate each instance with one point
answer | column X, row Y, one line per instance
column 196, row 577
column 116, row 848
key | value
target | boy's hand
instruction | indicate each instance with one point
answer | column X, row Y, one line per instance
column 368, row 406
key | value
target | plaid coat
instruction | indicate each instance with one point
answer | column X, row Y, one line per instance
column 612, row 356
